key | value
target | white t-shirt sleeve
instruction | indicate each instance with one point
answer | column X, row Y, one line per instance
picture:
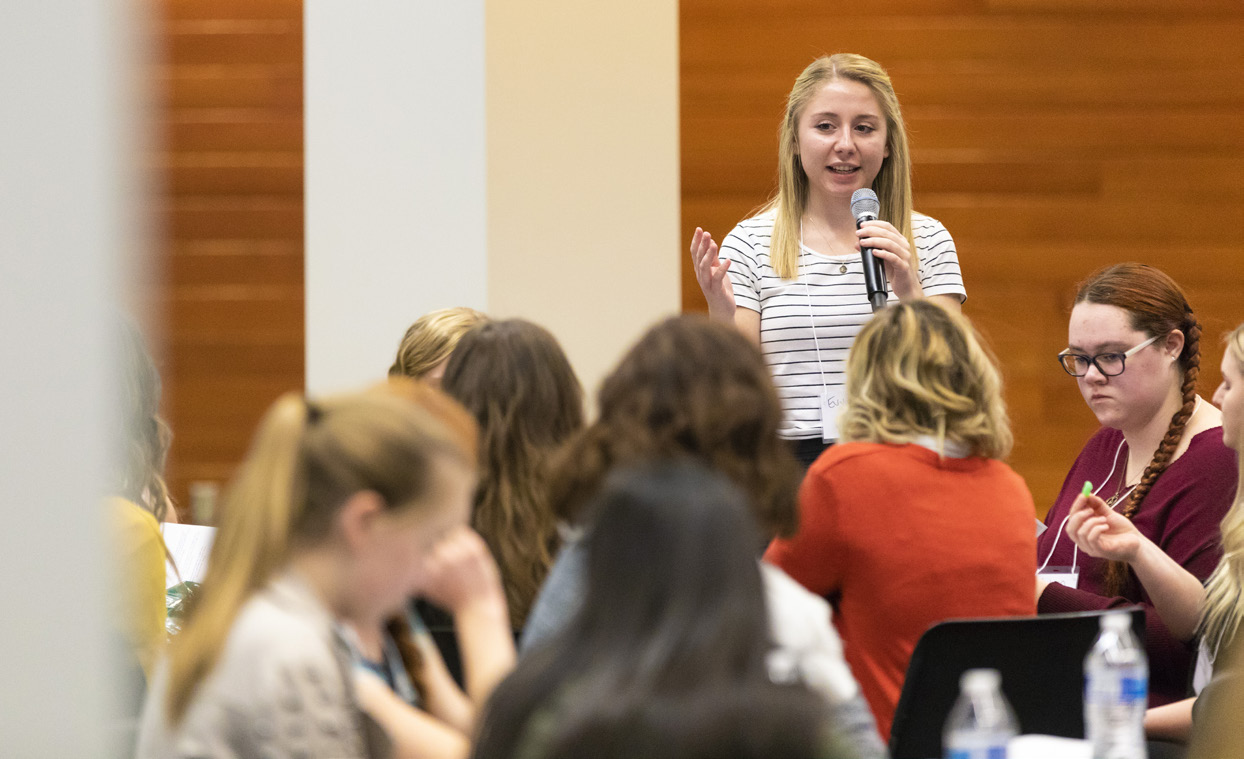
column 739, row 249
column 939, row 261
column 806, row 646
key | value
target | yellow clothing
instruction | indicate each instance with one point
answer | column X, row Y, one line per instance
column 139, row 609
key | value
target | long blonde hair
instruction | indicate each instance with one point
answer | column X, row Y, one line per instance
column 893, row 182
column 1224, row 601
column 917, row 369
column 307, row 459
column 431, row 339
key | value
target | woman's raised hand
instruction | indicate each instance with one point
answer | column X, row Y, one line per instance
column 888, row 244
column 461, row 572
column 711, row 274
column 1101, row 531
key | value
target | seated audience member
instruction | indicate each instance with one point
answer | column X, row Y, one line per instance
column 427, row 344
column 332, row 517
column 693, row 389
column 516, row 381
column 913, row 518
column 1210, row 613
column 402, row 680
column 1219, row 711
column 1158, row 459
column 666, row 655
column 139, row 502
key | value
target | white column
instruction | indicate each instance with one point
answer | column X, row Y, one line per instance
column 395, row 216
column 65, row 213
column 516, row 157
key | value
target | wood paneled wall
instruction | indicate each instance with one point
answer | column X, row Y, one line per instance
column 1050, row 136
column 230, row 162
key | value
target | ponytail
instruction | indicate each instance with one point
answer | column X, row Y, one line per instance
column 251, row 544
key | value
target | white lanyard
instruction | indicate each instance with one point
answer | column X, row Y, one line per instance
column 1075, row 553
column 829, row 420
column 807, row 291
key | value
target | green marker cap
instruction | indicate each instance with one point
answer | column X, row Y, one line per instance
column 1088, row 488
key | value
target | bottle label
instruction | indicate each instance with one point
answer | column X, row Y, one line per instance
column 1135, row 689
column 989, row 752
column 1124, row 690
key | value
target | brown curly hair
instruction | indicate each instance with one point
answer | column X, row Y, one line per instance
column 516, row 381
column 688, row 389
column 1156, row 306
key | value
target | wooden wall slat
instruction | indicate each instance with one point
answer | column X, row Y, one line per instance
column 270, row 173
column 188, row 10
column 256, row 42
column 230, row 162
column 255, row 216
column 797, row 36
column 206, row 265
column 1052, row 137
column 231, row 86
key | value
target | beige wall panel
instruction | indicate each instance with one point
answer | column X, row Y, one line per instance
column 583, row 190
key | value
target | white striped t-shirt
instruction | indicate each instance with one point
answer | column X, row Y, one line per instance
column 832, row 288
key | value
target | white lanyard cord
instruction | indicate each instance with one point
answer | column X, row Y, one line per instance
column 1075, row 553
column 820, row 366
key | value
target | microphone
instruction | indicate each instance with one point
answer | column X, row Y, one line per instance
column 866, row 207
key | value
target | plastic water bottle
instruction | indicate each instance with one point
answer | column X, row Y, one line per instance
column 1116, row 687
column 981, row 722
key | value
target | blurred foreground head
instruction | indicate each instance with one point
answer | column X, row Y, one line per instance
column 395, row 456
column 666, row 657
column 694, row 389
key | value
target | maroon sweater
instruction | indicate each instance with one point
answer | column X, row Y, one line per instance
column 1181, row 515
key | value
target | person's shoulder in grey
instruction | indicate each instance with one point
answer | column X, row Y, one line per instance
column 559, row 598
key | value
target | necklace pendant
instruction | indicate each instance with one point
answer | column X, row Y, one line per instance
column 1111, row 500
column 842, row 269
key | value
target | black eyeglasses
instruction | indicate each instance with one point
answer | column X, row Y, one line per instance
column 1109, row 364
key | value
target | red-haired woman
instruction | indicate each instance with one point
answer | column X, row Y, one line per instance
column 1134, row 348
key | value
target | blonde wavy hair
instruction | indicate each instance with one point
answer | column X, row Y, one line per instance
column 431, row 339
column 306, row 460
column 1224, row 599
column 918, row 369
column 893, row 182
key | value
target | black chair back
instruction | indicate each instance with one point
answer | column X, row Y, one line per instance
column 1042, row 664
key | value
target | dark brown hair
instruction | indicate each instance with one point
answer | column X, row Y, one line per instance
column 1156, row 306
column 516, row 380
column 688, row 388
column 139, row 476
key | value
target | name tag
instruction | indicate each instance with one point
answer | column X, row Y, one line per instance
column 1061, row 575
column 833, row 401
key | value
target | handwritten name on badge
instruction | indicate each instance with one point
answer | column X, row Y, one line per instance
column 833, row 401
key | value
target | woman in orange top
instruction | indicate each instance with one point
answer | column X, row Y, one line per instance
column 914, row 518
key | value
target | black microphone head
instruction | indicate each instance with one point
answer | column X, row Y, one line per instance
column 864, row 204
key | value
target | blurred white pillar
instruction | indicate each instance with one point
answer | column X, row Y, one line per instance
column 520, row 157
column 66, row 139
column 394, row 176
